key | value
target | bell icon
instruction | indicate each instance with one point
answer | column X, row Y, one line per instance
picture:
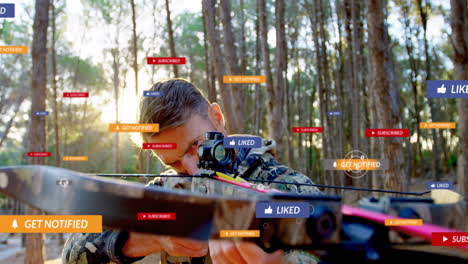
column 14, row 224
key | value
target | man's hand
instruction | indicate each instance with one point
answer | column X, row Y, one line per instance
column 227, row 252
column 139, row 245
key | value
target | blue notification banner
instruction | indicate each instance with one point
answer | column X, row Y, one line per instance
column 7, row 10
column 447, row 89
column 242, row 142
column 41, row 113
column 432, row 185
column 334, row 113
column 152, row 93
column 282, row 210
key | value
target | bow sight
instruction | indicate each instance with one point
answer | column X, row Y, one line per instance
column 213, row 155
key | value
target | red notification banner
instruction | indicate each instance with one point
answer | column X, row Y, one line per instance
column 165, row 60
column 387, row 132
column 75, row 95
column 307, row 129
column 38, row 154
column 449, row 239
column 159, row 145
column 156, row 216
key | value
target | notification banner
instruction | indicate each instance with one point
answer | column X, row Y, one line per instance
column 41, row 113
column 13, row 49
column 334, row 113
column 444, row 185
column 403, row 222
column 242, row 142
column 156, row 216
column 134, row 127
column 387, row 132
column 75, row 158
column 152, row 93
column 449, row 239
column 165, row 60
column 50, row 224
column 244, row 79
column 282, row 210
column 437, row 125
column 159, row 145
column 7, row 10
column 78, row 95
column 307, row 129
column 447, row 88
column 38, row 154
column 239, row 233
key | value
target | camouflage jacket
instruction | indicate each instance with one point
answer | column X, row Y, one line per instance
column 106, row 247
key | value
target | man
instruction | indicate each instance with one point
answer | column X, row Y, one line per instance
column 184, row 116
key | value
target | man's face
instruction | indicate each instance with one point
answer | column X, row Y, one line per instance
column 188, row 137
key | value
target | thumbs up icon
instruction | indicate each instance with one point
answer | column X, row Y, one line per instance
column 269, row 210
column 232, row 143
column 441, row 89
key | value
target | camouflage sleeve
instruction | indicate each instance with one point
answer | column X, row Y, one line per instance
column 272, row 170
column 299, row 257
column 93, row 248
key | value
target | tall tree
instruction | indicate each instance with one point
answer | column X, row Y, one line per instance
column 270, row 94
column 54, row 87
column 278, row 122
column 383, row 87
column 459, row 39
column 134, row 46
column 171, row 38
column 210, row 79
column 208, row 7
column 423, row 12
column 35, row 251
column 232, row 62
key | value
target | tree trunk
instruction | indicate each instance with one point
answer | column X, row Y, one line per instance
column 115, row 68
column 280, row 82
column 54, row 87
column 232, row 63
column 35, row 251
column 135, row 47
column 61, row 239
column 171, row 38
column 208, row 7
column 459, row 23
column 432, row 106
column 270, row 93
column 211, row 88
column 386, row 93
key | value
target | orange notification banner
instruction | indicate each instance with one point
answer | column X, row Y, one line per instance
column 50, row 223
column 75, row 158
column 13, row 49
column 403, row 222
column 134, row 127
column 357, row 164
column 244, row 79
column 430, row 125
column 239, row 233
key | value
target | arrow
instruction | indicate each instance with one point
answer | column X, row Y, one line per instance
column 444, row 239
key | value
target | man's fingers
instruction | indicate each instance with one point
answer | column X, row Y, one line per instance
column 190, row 243
column 174, row 248
column 216, row 253
column 230, row 251
column 254, row 254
